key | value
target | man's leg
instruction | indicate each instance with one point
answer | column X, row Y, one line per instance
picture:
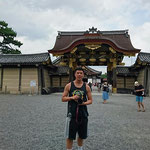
column 139, row 106
column 80, row 143
column 70, row 132
column 82, row 132
column 69, row 144
column 138, row 101
column 142, row 104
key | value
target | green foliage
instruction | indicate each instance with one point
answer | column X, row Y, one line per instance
column 7, row 41
column 103, row 76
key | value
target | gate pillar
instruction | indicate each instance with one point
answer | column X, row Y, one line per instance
column 114, row 77
column 109, row 73
column 72, row 66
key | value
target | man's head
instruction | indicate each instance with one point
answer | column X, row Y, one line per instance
column 136, row 83
column 79, row 73
column 105, row 83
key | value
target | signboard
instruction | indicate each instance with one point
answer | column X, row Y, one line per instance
column 32, row 83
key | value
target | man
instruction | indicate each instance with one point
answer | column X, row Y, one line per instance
column 139, row 89
column 78, row 95
column 90, row 85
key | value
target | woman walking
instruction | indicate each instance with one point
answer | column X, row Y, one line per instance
column 105, row 95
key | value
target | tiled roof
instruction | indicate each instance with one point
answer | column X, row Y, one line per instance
column 24, row 58
column 144, row 57
column 122, row 69
column 62, row 70
column 59, row 70
column 90, row 71
column 56, row 61
column 119, row 39
column 125, row 70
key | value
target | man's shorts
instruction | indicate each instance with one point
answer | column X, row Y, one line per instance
column 73, row 127
column 139, row 98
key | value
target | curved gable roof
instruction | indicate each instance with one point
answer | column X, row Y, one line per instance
column 119, row 40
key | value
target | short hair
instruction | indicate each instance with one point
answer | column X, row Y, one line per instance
column 79, row 68
column 136, row 83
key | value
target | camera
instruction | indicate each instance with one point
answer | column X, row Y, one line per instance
column 80, row 96
column 80, row 101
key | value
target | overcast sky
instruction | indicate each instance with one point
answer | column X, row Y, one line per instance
column 37, row 22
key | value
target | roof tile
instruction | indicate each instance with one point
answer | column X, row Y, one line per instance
column 23, row 58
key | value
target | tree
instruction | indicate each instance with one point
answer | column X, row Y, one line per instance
column 8, row 45
column 103, row 76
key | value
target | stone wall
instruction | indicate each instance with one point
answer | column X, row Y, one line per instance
column 148, row 82
column 0, row 79
column 125, row 84
column 64, row 80
column 130, row 82
column 140, row 77
column 10, row 80
column 55, row 81
column 46, row 78
column 29, row 76
column 19, row 80
column 120, row 82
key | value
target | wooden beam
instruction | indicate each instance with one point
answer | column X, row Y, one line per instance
column 114, row 76
column 112, row 50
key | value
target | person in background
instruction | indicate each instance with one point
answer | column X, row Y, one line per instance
column 99, row 87
column 105, row 94
column 139, row 89
column 78, row 95
column 110, row 89
column 90, row 85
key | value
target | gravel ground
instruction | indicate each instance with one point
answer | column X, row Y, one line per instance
column 37, row 123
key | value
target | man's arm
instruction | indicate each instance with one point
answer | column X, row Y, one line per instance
column 141, row 89
column 89, row 96
column 65, row 96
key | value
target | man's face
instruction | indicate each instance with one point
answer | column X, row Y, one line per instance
column 79, row 74
column 137, row 84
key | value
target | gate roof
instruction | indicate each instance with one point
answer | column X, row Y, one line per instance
column 119, row 40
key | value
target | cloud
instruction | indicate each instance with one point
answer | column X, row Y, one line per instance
column 25, row 22
column 31, row 47
column 141, row 36
column 37, row 22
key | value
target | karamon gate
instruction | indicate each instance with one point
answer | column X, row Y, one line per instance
column 94, row 48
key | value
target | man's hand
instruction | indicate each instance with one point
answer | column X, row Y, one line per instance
column 75, row 98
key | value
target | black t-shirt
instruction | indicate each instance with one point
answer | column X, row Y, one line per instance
column 106, row 88
column 139, row 88
column 72, row 105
